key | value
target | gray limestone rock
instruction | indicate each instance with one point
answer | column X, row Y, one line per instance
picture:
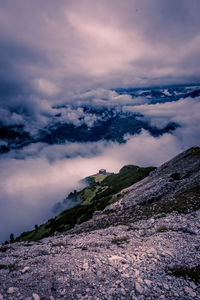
column 35, row 296
column 139, row 289
column 12, row 290
column 189, row 291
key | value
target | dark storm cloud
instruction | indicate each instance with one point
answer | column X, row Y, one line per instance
column 12, row 83
column 51, row 48
column 18, row 97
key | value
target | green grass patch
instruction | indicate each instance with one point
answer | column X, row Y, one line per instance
column 88, row 195
column 192, row 273
column 120, row 241
column 10, row 267
column 99, row 177
column 5, row 248
column 185, row 202
column 109, row 211
column 162, row 228
column 60, row 244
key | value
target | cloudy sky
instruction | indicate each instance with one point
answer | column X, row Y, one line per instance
column 76, row 53
column 51, row 49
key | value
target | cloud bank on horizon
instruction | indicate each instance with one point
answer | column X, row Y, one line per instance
column 75, row 52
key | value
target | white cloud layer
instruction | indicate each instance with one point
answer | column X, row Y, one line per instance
column 30, row 187
column 184, row 112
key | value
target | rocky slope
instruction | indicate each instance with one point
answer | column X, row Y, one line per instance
column 99, row 192
column 145, row 246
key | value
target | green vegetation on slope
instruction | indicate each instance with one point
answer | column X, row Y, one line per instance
column 183, row 203
column 100, row 193
column 185, row 272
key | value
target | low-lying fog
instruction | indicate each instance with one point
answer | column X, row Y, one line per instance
column 31, row 185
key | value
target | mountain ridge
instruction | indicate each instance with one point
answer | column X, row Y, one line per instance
column 144, row 246
column 94, row 197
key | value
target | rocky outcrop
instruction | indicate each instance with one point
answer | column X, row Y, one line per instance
column 145, row 246
column 173, row 187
